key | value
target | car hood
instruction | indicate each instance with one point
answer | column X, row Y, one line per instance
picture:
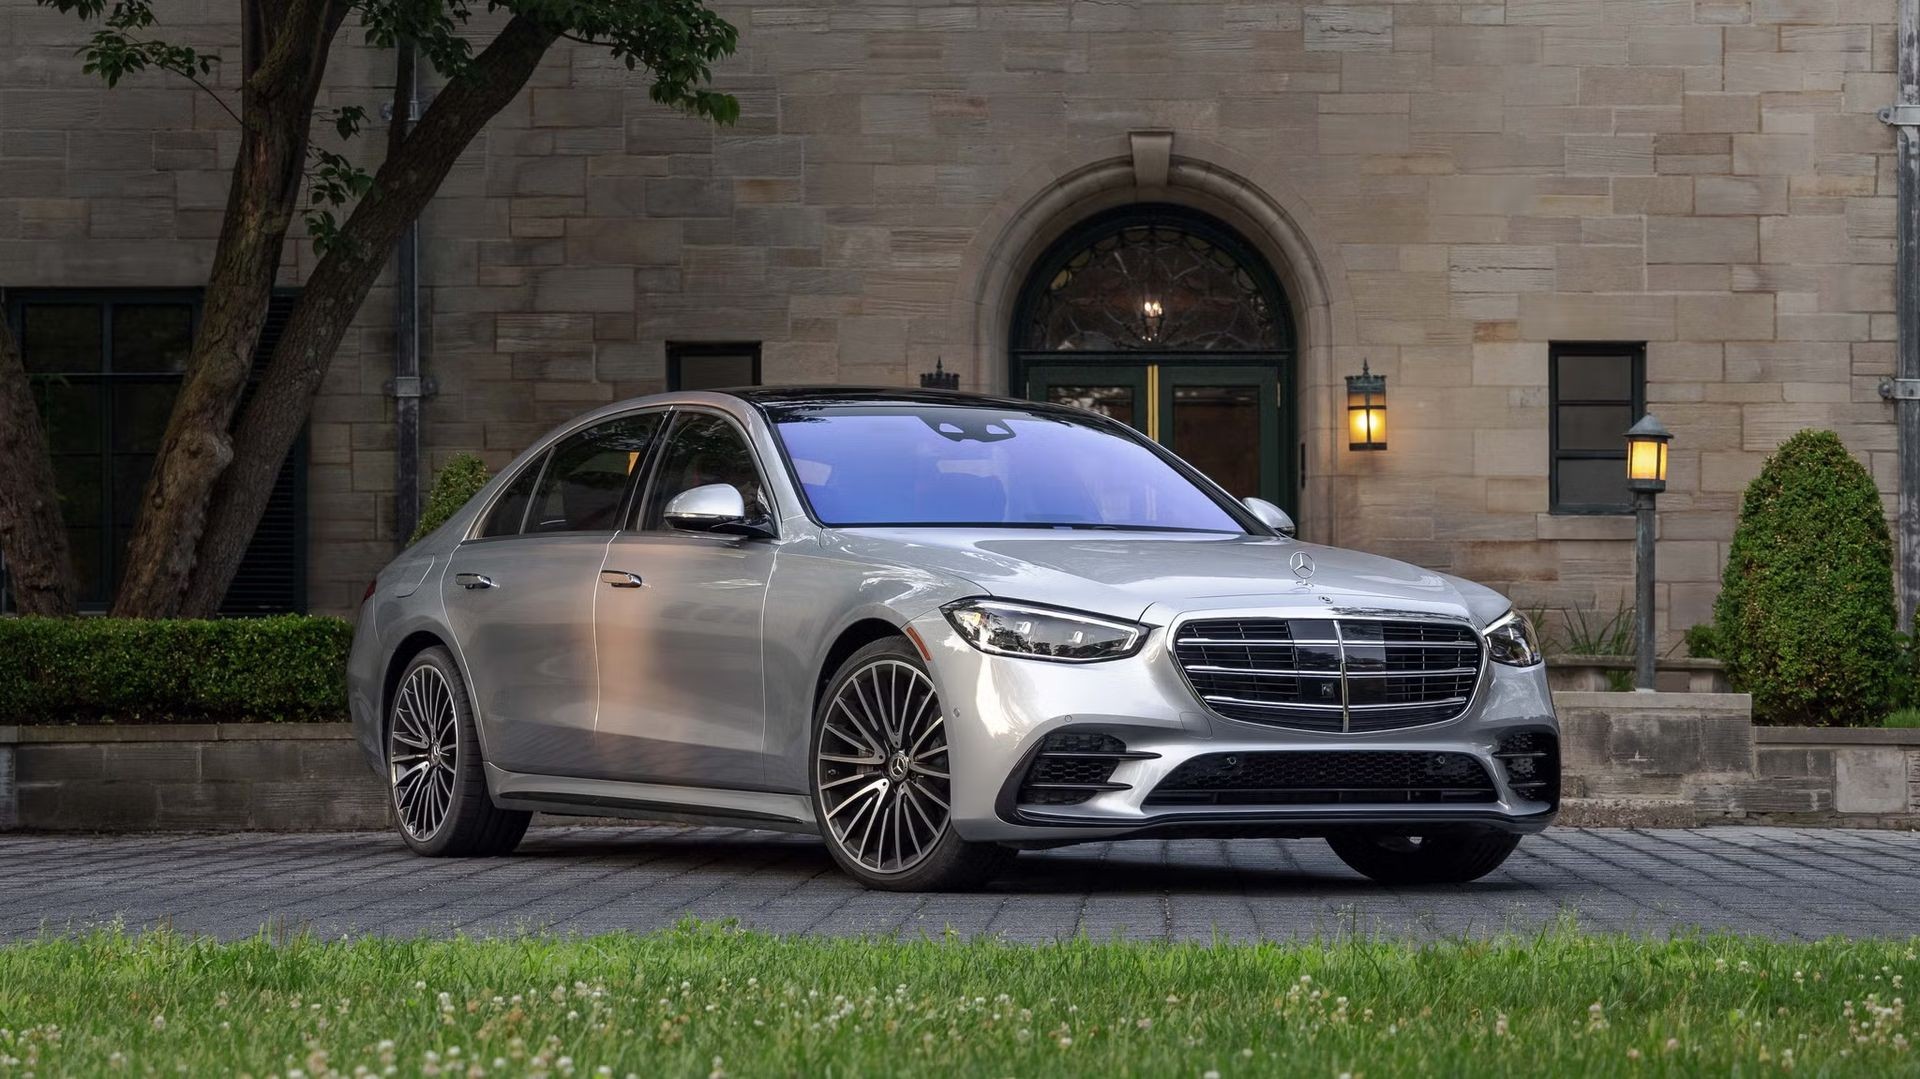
column 1159, row 574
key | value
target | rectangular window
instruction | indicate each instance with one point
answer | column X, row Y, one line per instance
column 105, row 366
column 710, row 366
column 1597, row 392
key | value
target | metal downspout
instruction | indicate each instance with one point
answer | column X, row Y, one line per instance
column 406, row 387
column 1903, row 389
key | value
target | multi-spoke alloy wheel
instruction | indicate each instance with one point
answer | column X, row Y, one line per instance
column 883, row 777
column 882, row 767
column 422, row 751
column 433, row 764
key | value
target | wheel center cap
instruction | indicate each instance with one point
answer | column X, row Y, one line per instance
column 897, row 767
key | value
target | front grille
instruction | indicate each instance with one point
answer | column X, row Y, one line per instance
column 1532, row 761
column 1073, row 766
column 1331, row 674
column 1324, row 777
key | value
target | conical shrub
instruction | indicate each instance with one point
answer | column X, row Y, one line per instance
column 1805, row 617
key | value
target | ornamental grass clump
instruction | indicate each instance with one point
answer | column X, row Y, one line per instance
column 453, row 486
column 1805, row 618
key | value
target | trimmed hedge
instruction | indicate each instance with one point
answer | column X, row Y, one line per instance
column 283, row 669
column 453, row 486
column 1805, row 618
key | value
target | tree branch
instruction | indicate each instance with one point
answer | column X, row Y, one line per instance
column 339, row 283
column 32, row 537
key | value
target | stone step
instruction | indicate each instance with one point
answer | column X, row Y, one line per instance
column 1625, row 813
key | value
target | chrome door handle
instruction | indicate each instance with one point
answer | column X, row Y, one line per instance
column 619, row 578
column 473, row 580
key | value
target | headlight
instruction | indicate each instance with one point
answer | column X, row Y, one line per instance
column 1511, row 640
column 1016, row 629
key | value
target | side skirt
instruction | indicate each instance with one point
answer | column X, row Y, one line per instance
column 651, row 801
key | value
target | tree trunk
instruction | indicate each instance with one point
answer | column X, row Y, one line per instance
column 32, row 538
column 276, row 114
column 337, row 287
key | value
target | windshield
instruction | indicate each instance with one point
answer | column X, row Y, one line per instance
column 900, row 464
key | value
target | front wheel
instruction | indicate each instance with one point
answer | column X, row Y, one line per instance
column 439, row 788
column 882, row 782
column 1451, row 857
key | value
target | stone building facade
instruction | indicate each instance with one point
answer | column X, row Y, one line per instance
column 1451, row 194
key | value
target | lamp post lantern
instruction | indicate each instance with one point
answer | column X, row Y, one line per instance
column 1646, row 477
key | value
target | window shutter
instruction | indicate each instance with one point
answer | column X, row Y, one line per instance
column 272, row 578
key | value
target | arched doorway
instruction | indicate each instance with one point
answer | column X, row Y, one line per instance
column 1166, row 319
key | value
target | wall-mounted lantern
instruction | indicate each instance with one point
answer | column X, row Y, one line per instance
column 1366, row 410
column 1646, row 477
column 939, row 378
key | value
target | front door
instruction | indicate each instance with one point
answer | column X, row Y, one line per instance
column 1224, row 419
column 678, row 627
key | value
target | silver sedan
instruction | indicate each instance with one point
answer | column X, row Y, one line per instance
column 934, row 629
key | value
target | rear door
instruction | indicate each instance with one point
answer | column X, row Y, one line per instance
column 520, row 596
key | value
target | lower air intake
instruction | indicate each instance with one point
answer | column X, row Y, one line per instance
column 1325, row 777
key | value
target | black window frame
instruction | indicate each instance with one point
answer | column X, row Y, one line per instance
column 647, row 493
column 678, row 352
column 1636, row 354
column 291, row 482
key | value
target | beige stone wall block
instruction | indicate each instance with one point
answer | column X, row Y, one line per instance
column 1740, row 195
column 1636, row 86
column 1729, row 471
column 1608, row 155
column 1653, row 195
column 1730, row 113
column 1702, row 239
column 1509, row 451
column 1500, row 268
column 1473, row 46
column 1597, row 317
column 1764, row 427
column 1516, row 494
column 1736, row 317
column 1684, row 362
column 1348, row 29
column 1856, row 288
column 1520, row 363
column 1596, row 268
column 1772, row 155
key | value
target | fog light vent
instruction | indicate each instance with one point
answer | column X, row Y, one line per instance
column 1532, row 762
column 1073, row 766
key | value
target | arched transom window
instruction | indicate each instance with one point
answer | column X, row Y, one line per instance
column 1152, row 281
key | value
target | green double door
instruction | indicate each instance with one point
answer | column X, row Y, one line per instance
column 1224, row 419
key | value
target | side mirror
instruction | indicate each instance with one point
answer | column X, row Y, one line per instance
column 715, row 507
column 1269, row 514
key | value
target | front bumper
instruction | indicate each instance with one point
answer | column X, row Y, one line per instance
column 1001, row 710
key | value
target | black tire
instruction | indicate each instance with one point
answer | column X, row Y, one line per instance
column 1451, row 857
column 947, row 863
column 470, row 824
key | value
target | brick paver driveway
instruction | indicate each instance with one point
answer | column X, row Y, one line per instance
column 1777, row 881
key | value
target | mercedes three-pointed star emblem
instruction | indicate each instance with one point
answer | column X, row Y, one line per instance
column 1302, row 564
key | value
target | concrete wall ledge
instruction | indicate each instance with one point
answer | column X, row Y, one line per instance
column 1837, row 736
column 1676, row 704
column 177, row 732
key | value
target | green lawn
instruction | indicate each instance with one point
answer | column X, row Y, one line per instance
column 702, row 1001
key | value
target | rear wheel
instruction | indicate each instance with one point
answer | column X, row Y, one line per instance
column 1452, row 857
column 882, row 782
column 439, row 788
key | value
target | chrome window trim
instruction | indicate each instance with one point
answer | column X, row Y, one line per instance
column 1176, row 637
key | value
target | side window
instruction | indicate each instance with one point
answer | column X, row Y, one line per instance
column 704, row 449
column 1597, row 391
column 587, row 479
column 508, row 513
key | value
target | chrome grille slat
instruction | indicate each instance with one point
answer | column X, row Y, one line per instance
column 1332, row 674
